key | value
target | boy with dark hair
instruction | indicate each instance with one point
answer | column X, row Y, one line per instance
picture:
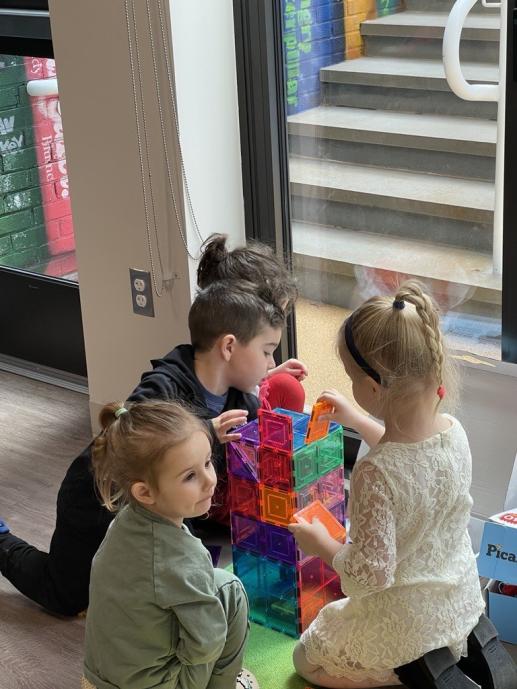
column 234, row 331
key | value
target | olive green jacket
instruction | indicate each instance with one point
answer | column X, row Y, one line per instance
column 153, row 605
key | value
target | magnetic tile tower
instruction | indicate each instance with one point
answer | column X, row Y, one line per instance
column 274, row 472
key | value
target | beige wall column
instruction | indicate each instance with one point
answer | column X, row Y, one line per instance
column 91, row 49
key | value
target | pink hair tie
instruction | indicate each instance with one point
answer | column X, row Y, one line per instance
column 441, row 391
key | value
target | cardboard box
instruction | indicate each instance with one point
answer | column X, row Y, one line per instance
column 497, row 560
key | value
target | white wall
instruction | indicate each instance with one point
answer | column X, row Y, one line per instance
column 206, row 85
column 93, row 68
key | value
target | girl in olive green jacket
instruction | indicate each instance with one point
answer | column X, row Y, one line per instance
column 160, row 615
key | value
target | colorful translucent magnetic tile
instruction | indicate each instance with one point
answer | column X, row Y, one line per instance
column 296, row 416
column 247, row 533
column 298, row 441
column 311, row 607
column 331, row 487
column 283, row 615
column 333, row 590
column 248, row 567
column 279, row 579
column 279, row 544
column 339, row 512
column 249, row 432
column 276, row 430
column 305, row 466
column 276, row 506
column 243, row 460
column 276, row 468
column 317, row 428
column 306, row 495
column 311, row 579
column 330, row 451
column 244, row 497
column 259, row 605
column 317, row 509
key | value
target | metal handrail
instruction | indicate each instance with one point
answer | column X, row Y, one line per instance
column 451, row 57
column 481, row 92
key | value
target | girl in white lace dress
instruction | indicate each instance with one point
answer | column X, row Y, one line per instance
column 409, row 572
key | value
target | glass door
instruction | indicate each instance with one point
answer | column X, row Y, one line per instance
column 388, row 174
column 391, row 174
column 41, row 320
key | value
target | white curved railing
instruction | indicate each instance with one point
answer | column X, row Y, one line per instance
column 481, row 92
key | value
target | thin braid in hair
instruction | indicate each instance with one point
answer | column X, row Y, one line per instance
column 412, row 293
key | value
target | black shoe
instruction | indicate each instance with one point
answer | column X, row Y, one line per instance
column 435, row 670
column 488, row 662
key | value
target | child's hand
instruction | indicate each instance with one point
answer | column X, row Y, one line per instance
column 312, row 537
column 228, row 420
column 293, row 367
column 344, row 413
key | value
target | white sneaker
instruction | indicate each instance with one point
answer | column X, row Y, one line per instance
column 245, row 680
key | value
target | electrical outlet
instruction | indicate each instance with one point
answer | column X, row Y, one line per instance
column 141, row 292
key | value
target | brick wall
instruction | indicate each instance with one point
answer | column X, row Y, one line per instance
column 35, row 216
column 318, row 33
column 357, row 11
column 313, row 38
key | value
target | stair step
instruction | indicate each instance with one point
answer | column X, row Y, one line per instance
column 420, row 35
column 343, row 249
column 446, row 6
column 404, row 73
column 410, row 192
column 404, row 84
column 463, row 135
column 478, row 27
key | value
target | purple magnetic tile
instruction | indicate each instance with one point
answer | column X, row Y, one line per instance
column 279, row 544
column 247, row 533
column 339, row 512
column 250, row 432
column 242, row 460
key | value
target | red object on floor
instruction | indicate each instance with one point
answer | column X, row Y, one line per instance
column 282, row 390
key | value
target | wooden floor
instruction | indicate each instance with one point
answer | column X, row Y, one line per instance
column 42, row 428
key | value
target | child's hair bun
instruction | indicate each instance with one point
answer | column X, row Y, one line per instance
column 107, row 414
column 213, row 252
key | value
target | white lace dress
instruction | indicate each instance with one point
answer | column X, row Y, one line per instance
column 409, row 571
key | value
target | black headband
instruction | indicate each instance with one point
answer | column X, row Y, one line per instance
column 349, row 339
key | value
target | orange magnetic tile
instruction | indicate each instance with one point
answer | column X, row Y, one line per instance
column 277, row 506
column 318, row 429
column 318, row 509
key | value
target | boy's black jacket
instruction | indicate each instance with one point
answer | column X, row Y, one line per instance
column 171, row 378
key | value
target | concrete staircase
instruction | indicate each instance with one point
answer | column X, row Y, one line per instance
column 394, row 171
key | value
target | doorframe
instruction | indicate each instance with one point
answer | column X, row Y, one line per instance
column 509, row 294
column 264, row 145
